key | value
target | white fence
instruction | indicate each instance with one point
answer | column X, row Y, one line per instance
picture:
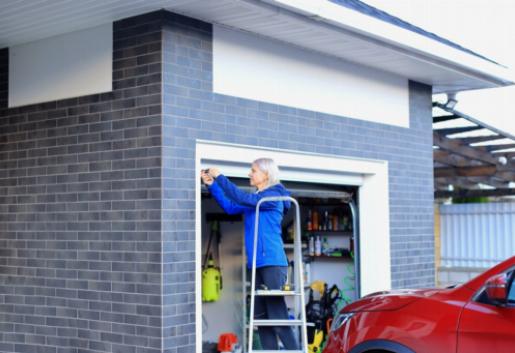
column 476, row 235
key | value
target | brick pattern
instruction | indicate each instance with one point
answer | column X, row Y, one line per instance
column 80, row 210
column 192, row 111
column 186, row 64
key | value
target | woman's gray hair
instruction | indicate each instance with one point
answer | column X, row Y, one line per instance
column 268, row 166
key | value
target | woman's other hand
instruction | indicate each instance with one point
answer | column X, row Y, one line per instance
column 206, row 178
column 214, row 172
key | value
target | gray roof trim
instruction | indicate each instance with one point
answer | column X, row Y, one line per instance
column 374, row 12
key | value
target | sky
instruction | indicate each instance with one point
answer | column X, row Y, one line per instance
column 484, row 26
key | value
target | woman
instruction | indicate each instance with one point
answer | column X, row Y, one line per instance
column 271, row 261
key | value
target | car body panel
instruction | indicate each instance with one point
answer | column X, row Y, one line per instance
column 409, row 325
column 487, row 328
column 428, row 321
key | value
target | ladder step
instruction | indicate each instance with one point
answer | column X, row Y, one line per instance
column 308, row 324
column 276, row 292
column 280, row 351
column 277, row 322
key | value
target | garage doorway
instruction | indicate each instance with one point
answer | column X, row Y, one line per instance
column 315, row 180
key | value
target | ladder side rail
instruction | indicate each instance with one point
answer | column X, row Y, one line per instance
column 253, row 278
column 300, row 277
column 245, row 326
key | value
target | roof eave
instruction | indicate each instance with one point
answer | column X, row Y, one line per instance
column 486, row 74
column 320, row 26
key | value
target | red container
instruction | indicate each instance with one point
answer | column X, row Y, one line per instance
column 226, row 342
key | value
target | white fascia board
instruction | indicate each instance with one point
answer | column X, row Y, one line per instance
column 400, row 39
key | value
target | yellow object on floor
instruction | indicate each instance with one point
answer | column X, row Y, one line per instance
column 317, row 342
column 318, row 286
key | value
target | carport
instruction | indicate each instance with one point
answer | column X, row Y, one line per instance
column 471, row 158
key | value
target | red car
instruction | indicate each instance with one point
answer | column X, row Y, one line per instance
column 475, row 317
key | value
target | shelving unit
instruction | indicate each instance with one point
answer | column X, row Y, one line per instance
column 338, row 269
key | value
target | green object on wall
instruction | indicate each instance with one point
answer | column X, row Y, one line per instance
column 211, row 282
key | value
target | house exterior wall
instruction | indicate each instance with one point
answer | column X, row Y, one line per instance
column 80, row 211
column 192, row 111
column 97, row 231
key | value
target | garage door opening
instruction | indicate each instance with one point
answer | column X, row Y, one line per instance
column 318, row 181
column 326, row 219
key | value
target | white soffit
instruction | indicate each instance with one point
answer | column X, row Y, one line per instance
column 320, row 25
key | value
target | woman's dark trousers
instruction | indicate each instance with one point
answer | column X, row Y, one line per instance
column 270, row 307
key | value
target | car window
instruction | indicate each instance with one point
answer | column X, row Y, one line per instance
column 511, row 294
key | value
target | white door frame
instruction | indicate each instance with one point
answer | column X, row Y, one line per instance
column 374, row 215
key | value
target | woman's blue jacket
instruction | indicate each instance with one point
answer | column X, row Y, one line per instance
column 270, row 247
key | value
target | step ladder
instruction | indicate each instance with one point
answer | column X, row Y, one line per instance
column 297, row 291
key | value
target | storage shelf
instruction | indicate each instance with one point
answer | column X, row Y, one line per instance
column 322, row 203
column 345, row 256
column 329, row 232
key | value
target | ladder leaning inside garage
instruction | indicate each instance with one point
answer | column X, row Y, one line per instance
column 296, row 290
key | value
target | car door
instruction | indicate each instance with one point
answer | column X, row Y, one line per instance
column 486, row 327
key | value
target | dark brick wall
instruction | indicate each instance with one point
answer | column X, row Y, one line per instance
column 187, row 65
column 80, row 210
column 192, row 111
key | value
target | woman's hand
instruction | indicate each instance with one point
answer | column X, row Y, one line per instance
column 214, row 172
column 206, row 178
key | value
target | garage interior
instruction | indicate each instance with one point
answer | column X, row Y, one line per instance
column 334, row 263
